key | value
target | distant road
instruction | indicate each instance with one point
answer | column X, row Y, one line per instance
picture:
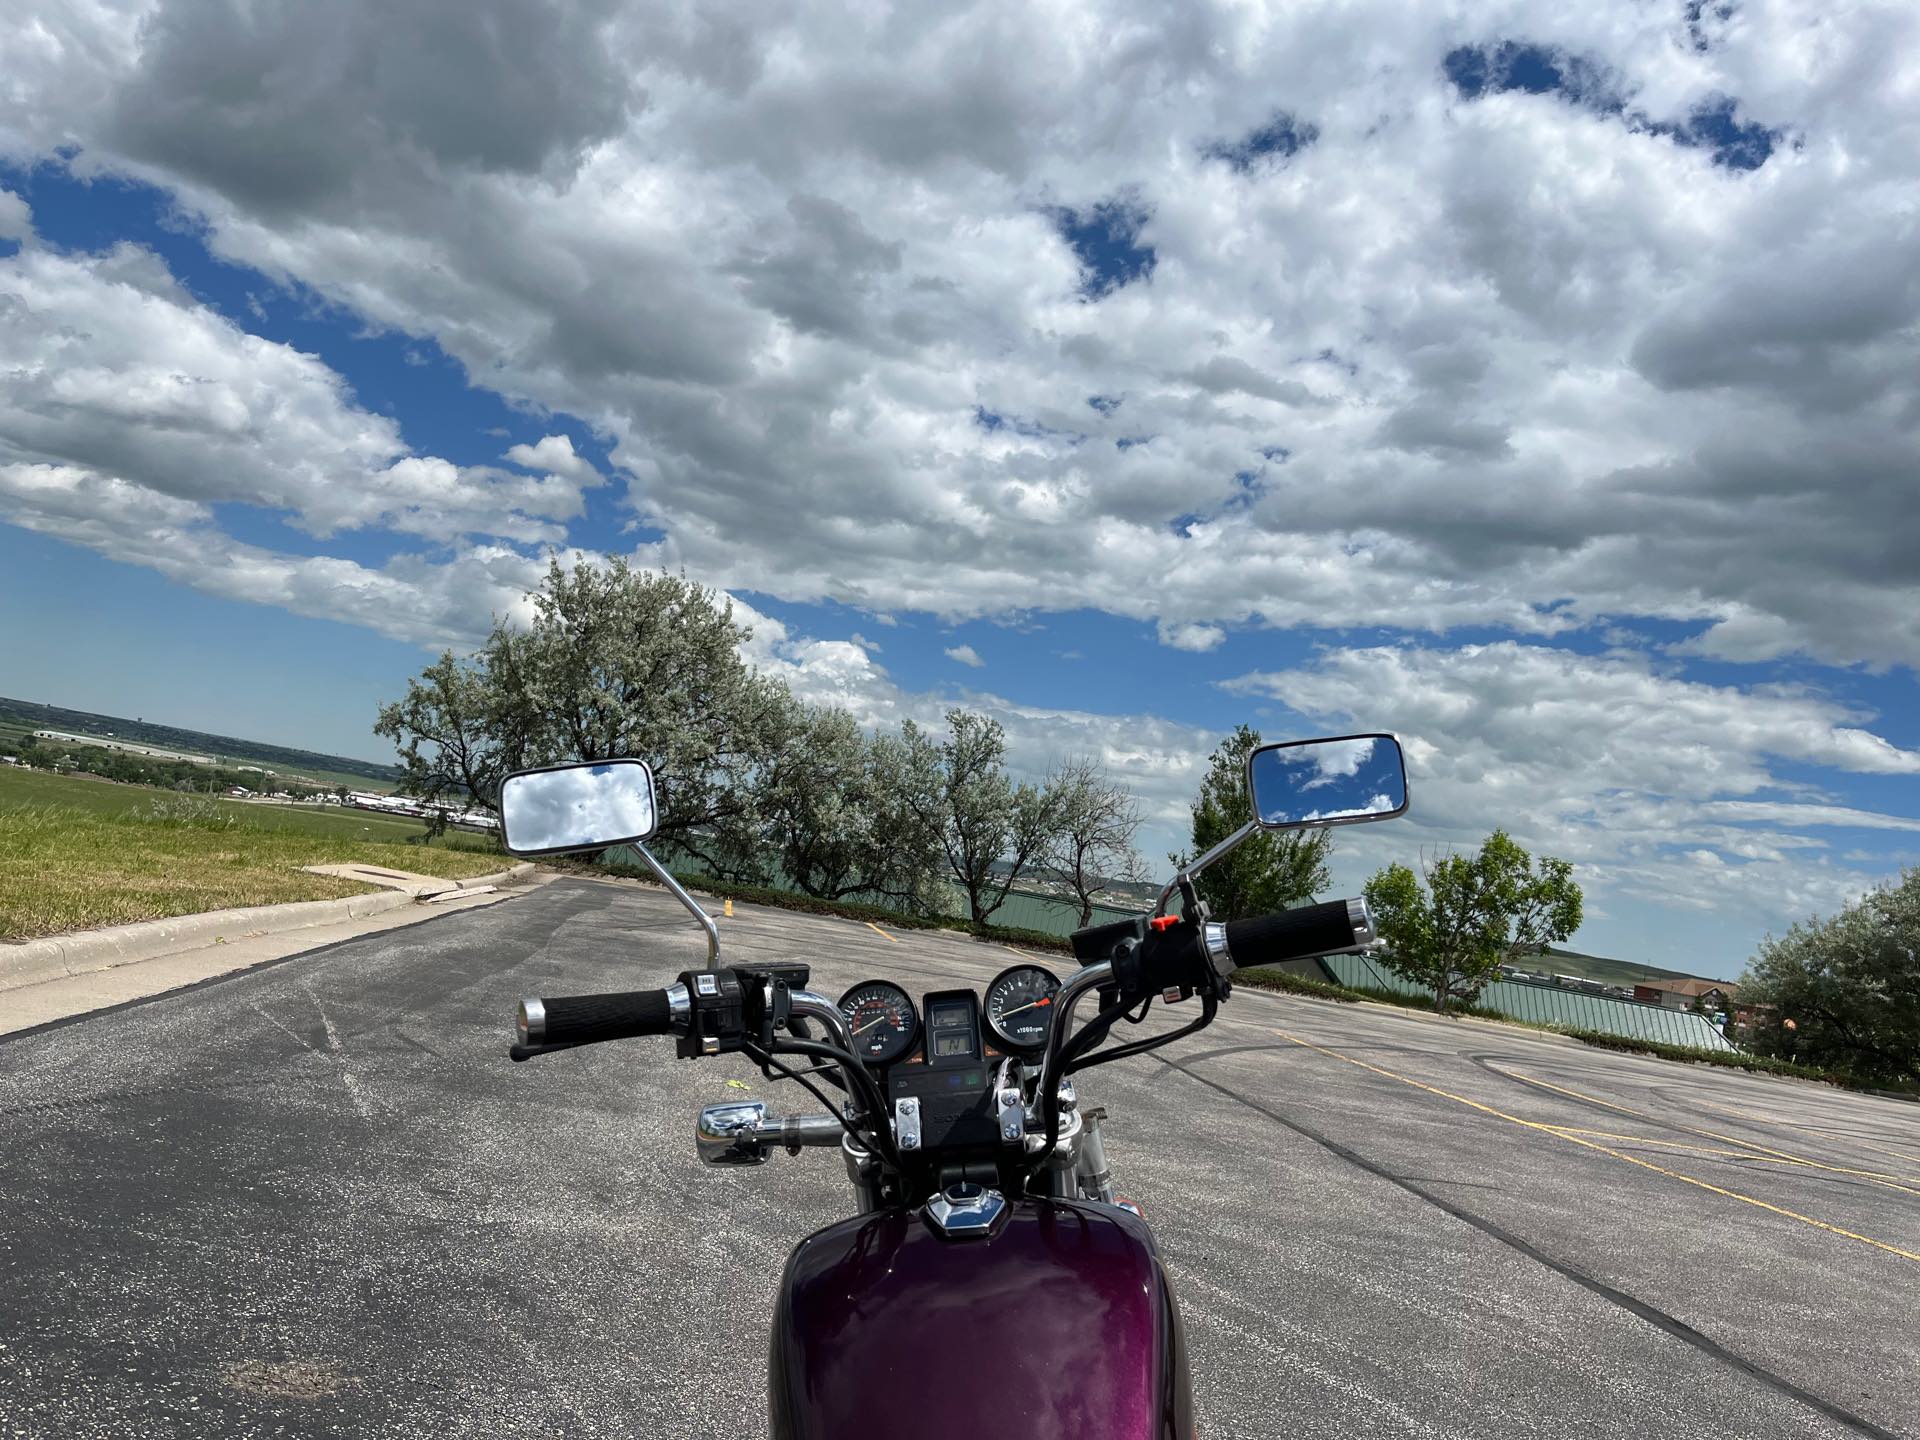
column 316, row 1199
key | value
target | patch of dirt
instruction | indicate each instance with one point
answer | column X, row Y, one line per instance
column 286, row 1379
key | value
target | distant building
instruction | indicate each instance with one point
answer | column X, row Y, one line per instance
column 1680, row 994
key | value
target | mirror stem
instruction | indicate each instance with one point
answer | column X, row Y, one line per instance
column 1201, row 863
column 679, row 893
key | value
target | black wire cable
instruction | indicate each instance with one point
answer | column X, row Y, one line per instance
column 882, row 1132
column 1209, row 1008
column 1091, row 1034
column 769, row 1064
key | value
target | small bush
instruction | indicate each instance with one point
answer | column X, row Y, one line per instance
column 1727, row 1059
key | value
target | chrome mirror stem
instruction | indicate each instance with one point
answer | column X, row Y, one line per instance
column 678, row 891
column 1201, row 862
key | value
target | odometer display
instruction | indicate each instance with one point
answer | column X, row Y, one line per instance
column 1020, row 1006
column 882, row 1019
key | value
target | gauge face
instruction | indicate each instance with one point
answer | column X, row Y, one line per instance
column 882, row 1019
column 1020, row 1006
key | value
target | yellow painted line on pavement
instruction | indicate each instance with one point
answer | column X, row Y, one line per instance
column 1021, row 953
column 881, row 933
column 1649, row 1140
column 1561, row 1134
column 1876, row 1177
column 1835, row 1135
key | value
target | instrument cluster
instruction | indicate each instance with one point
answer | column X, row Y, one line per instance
column 887, row 1028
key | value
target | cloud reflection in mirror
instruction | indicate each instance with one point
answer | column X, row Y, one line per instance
column 578, row 807
column 1324, row 781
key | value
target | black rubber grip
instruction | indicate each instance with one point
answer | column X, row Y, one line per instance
column 578, row 1019
column 1292, row 934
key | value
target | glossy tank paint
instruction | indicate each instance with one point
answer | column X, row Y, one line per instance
column 1059, row 1326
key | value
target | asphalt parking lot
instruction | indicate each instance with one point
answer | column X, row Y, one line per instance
column 316, row 1199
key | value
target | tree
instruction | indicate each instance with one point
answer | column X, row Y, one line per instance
column 457, row 732
column 962, row 797
column 1477, row 913
column 1269, row 871
column 835, row 819
column 1844, row 993
column 615, row 662
column 1092, row 845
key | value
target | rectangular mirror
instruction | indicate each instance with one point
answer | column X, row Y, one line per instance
column 1338, row 781
column 577, row 807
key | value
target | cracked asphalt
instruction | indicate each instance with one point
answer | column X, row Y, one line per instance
column 316, row 1199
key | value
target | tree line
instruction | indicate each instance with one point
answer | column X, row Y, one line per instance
column 756, row 786
column 759, row 788
column 130, row 768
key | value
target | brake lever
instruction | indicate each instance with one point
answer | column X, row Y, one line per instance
column 517, row 1052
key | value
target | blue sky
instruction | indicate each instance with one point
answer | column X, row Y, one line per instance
column 1544, row 397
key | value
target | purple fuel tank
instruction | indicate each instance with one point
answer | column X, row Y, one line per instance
column 1059, row 1326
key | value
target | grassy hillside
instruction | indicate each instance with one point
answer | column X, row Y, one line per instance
column 77, row 853
column 1596, row 967
column 20, row 788
column 20, row 717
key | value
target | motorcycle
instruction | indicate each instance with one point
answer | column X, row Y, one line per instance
column 990, row 1281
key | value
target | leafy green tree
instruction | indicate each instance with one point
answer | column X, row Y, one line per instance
column 1096, row 818
column 1849, row 985
column 1476, row 913
column 1269, row 871
column 981, row 821
column 458, row 733
column 835, row 820
column 615, row 662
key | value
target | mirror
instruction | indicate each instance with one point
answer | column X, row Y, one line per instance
column 1339, row 781
column 577, row 807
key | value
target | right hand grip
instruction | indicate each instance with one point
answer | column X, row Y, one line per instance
column 1298, row 934
column 579, row 1019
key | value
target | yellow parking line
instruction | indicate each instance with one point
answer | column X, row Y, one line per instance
column 881, row 933
column 1021, row 953
column 1877, row 1177
column 1572, row 1139
column 1649, row 1140
column 1808, row 1130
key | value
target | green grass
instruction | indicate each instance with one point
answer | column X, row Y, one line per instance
column 19, row 786
column 76, row 854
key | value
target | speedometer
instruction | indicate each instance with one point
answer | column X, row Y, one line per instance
column 882, row 1019
column 1020, row 1006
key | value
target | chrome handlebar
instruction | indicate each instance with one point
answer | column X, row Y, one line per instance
column 806, row 1005
column 1088, row 977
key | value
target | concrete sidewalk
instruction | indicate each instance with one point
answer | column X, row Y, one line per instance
column 66, row 975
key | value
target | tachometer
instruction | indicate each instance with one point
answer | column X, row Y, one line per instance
column 1020, row 1006
column 882, row 1019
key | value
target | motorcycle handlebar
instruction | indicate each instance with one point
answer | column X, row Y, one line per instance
column 1297, row 934
column 581, row 1019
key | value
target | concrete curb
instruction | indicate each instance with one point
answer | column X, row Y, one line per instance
column 87, row 951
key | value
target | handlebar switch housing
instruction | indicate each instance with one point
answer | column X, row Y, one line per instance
column 718, row 1023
